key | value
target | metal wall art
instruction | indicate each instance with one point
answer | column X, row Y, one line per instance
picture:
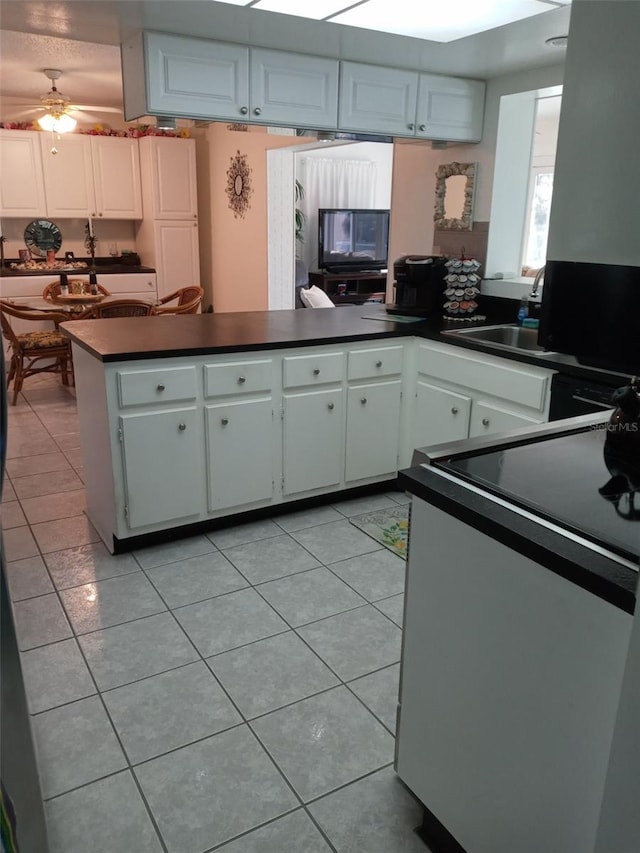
column 239, row 187
column 455, row 183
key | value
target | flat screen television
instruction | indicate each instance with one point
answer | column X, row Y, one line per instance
column 352, row 240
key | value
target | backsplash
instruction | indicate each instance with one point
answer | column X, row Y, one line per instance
column 474, row 243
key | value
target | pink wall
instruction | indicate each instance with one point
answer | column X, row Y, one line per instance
column 237, row 247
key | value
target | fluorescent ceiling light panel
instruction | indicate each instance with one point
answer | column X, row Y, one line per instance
column 315, row 9
column 439, row 20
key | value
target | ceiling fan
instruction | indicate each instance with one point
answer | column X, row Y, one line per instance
column 59, row 114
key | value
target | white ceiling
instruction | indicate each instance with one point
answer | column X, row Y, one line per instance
column 82, row 37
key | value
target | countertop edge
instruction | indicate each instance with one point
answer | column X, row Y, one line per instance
column 604, row 577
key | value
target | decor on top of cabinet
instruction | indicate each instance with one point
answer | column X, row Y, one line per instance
column 455, row 183
column 239, row 187
column 462, row 287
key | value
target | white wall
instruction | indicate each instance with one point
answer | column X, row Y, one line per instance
column 594, row 212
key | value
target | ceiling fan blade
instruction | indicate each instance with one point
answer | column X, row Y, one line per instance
column 96, row 108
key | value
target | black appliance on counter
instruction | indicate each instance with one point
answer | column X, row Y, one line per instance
column 590, row 311
column 419, row 281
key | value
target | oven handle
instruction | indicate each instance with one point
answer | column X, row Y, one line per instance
column 592, row 402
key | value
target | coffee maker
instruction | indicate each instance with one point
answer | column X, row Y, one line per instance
column 419, row 281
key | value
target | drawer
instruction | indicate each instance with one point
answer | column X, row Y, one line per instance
column 319, row 369
column 237, row 377
column 142, row 387
column 508, row 380
column 378, row 361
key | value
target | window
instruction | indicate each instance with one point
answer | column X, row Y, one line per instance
column 537, row 219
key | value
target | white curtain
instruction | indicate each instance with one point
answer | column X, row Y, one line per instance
column 332, row 182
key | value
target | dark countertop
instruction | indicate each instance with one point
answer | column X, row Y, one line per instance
column 101, row 268
column 135, row 338
column 593, row 571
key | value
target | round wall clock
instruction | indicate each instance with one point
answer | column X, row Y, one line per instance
column 40, row 235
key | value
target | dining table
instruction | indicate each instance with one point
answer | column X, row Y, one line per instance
column 74, row 308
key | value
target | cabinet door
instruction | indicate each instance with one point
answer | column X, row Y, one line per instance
column 487, row 418
column 68, row 175
column 239, row 452
column 450, row 108
column 373, row 430
column 116, row 177
column 440, row 415
column 377, row 99
column 21, row 179
column 195, row 77
column 313, row 440
column 169, row 177
column 177, row 260
column 290, row 89
column 162, row 466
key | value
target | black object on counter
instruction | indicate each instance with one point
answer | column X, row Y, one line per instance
column 93, row 283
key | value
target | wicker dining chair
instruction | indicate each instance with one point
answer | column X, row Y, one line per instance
column 120, row 308
column 52, row 291
column 30, row 349
column 188, row 299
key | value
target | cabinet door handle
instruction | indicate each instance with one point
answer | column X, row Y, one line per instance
column 330, row 406
column 454, row 410
column 485, row 422
column 316, row 371
column 160, row 387
column 422, row 128
column 378, row 364
column 150, row 283
column 363, row 400
column 100, row 214
column 224, row 421
column 411, row 126
column 182, row 427
column 242, row 380
column 244, row 110
column 257, row 111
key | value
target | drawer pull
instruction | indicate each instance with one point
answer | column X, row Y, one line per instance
column 316, row 371
column 363, row 400
column 378, row 364
column 242, row 380
column 224, row 421
column 330, row 406
column 454, row 410
column 485, row 422
column 182, row 427
column 160, row 387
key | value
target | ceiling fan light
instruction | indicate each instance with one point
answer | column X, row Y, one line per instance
column 58, row 124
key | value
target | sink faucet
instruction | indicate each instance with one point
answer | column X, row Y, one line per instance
column 536, row 283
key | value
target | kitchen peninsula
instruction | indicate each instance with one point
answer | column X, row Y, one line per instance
column 187, row 420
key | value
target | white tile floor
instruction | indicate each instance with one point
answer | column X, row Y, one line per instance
column 232, row 691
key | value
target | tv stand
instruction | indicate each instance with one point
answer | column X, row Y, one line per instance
column 360, row 287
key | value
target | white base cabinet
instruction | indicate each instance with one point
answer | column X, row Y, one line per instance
column 192, row 439
column 171, row 247
column 461, row 394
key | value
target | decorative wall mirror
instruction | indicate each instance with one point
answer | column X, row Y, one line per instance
column 455, row 183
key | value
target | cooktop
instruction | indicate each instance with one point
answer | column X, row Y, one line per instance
column 568, row 480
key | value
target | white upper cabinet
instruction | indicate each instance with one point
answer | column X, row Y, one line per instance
column 405, row 103
column 68, row 175
column 169, row 185
column 377, row 99
column 116, row 177
column 91, row 176
column 21, row 180
column 287, row 88
column 450, row 108
column 182, row 76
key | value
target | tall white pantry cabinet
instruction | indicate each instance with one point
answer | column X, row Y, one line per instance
column 167, row 237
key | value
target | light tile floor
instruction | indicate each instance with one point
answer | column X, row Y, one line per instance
column 234, row 691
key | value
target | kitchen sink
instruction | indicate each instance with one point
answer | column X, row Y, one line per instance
column 507, row 336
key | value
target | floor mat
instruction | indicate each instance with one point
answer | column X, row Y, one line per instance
column 389, row 526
